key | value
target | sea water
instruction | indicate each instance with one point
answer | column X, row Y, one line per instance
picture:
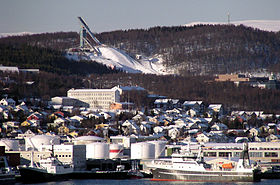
column 148, row 182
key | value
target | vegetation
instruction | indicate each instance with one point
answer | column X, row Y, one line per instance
column 191, row 50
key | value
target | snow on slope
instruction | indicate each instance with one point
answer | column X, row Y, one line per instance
column 266, row 25
column 15, row 34
column 119, row 59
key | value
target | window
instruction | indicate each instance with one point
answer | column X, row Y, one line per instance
column 210, row 154
column 225, row 154
column 255, row 154
column 236, row 154
column 270, row 154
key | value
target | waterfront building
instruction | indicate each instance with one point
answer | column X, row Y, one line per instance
column 67, row 154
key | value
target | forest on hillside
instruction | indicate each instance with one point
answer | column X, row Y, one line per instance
column 194, row 51
column 243, row 97
column 48, row 60
column 197, row 50
column 47, row 85
column 202, row 49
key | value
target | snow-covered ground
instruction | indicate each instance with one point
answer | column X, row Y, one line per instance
column 113, row 57
column 266, row 25
column 15, row 34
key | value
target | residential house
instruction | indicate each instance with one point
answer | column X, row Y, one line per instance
column 164, row 104
column 202, row 138
column 254, row 132
column 273, row 138
column 63, row 130
column 7, row 101
column 197, row 105
column 32, row 123
column 61, row 121
column 26, row 134
column 176, row 103
column 35, row 116
column 129, row 127
column 219, row 127
column 193, row 112
column 11, row 124
column 216, row 108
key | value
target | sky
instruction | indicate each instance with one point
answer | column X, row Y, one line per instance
column 39, row 16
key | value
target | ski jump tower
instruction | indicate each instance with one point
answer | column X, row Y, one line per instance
column 84, row 42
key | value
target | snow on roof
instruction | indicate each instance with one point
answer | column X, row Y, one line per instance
column 191, row 103
column 215, row 106
column 174, row 101
column 161, row 101
column 131, row 88
column 9, row 68
column 89, row 138
column 91, row 90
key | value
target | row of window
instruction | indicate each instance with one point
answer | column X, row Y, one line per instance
column 91, row 94
column 237, row 154
column 62, row 155
column 44, row 155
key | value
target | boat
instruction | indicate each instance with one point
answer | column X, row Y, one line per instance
column 271, row 173
column 7, row 175
column 119, row 173
column 188, row 167
column 46, row 170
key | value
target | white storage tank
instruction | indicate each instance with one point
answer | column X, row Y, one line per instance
column 116, row 151
column 33, row 143
column 10, row 144
column 97, row 151
column 143, row 150
column 83, row 140
column 159, row 148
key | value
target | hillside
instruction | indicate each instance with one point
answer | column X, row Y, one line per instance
column 184, row 50
column 202, row 49
column 48, row 60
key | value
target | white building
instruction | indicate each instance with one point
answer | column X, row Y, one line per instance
column 96, row 98
column 9, row 69
column 67, row 154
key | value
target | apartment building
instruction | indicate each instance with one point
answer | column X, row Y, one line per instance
column 96, row 98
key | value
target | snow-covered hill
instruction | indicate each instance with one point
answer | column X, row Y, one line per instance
column 15, row 34
column 266, row 25
column 116, row 58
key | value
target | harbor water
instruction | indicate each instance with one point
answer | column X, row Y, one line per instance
column 148, row 182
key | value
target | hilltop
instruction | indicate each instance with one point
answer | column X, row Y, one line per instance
column 184, row 50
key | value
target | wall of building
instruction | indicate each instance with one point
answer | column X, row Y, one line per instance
column 96, row 98
column 67, row 154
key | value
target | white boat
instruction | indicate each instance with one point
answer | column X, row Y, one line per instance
column 188, row 167
column 48, row 169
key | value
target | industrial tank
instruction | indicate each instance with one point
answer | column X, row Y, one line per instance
column 159, row 148
column 116, row 151
column 34, row 143
column 10, row 144
column 97, row 151
column 143, row 150
column 83, row 140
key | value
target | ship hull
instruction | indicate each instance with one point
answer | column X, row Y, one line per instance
column 7, row 179
column 100, row 175
column 31, row 175
column 206, row 176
